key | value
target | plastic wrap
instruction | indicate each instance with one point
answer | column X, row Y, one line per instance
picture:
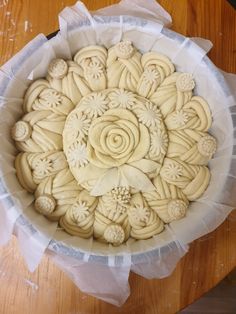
column 98, row 269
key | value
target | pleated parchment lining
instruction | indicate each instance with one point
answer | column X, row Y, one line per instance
column 203, row 215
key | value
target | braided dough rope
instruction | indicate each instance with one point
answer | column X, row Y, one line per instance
column 193, row 180
column 113, row 144
column 93, row 61
column 70, row 82
column 124, row 66
column 156, row 68
column 41, row 97
column 192, row 146
column 105, row 230
column 39, row 131
column 33, row 168
column 169, row 97
column 62, row 189
column 143, row 220
column 168, row 201
column 79, row 218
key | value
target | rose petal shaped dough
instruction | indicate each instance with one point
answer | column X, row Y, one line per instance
column 122, row 114
column 143, row 147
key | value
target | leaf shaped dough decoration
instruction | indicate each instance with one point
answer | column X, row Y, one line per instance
column 106, row 182
column 136, row 178
column 87, row 173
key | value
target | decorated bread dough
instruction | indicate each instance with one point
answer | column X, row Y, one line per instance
column 62, row 189
column 192, row 146
column 72, row 83
column 168, row 201
column 107, row 146
column 143, row 220
column 39, row 131
column 79, row 218
column 114, row 144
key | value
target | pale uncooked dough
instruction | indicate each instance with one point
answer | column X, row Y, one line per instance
column 113, row 144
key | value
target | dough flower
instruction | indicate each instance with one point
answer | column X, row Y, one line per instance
column 115, row 139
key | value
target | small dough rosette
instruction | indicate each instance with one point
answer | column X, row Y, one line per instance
column 192, row 179
column 39, row 131
column 168, row 201
column 40, row 96
column 79, row 218
column 143, row 220
column 193, row 147
column 156, row 68
column 123, row 66
column 67, row 77
column 93, row 61
column 55, row 194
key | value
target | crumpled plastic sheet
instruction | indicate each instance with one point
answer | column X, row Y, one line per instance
column 97, row 269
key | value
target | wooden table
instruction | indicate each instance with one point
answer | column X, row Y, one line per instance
column 210, row 258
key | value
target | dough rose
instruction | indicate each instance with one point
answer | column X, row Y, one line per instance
column 117, row 138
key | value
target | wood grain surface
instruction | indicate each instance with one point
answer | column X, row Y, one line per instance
column 209, row 259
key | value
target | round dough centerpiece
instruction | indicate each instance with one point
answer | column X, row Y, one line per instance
column 113, row 144
column 115, row 138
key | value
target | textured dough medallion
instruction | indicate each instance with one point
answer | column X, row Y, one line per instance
column 113, row 144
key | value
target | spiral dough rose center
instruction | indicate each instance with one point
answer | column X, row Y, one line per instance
column 113, row 138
